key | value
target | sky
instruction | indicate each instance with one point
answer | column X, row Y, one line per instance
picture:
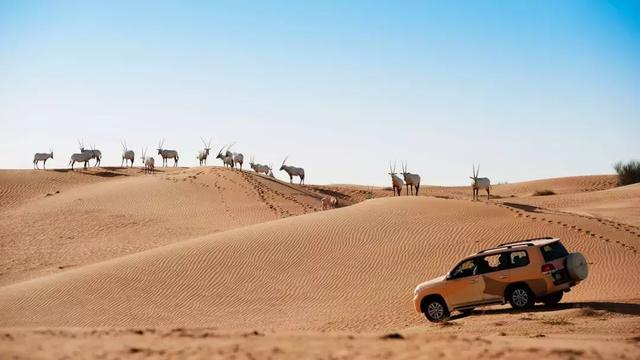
column 526, row 89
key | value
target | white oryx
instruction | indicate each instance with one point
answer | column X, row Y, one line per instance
column 167, row 154
column 127, row 155
column 204, row 153
column 227, row 160
column 259, row 168
column 396, row 182
column 83, row 156
column 237, row 158
column 411, row 180
column 328, row 202
column 479, row 183
column 95, row 153
column 292, row 171
column 42, row 157
column 148, row 161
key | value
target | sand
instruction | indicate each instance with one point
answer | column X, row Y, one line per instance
column 164, row 263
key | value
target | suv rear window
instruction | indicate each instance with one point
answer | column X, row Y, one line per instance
column 553, row 251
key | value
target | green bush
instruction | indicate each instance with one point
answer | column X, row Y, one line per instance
column 628, row 173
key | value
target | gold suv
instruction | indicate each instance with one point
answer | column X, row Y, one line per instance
column 522, row 272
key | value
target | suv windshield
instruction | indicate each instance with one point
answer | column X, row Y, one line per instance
column 553, row 251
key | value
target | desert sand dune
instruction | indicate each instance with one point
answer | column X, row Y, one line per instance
column 53, row 220
column 349, row 269
column 621, row 204
column 563, row 185
column 588, row 331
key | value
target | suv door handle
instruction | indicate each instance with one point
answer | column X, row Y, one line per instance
column 473, row 281
column 503, row 276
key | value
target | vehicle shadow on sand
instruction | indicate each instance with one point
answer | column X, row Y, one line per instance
column 612, row 307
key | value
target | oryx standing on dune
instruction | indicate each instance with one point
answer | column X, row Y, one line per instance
column 292, row 171
column 479, row 183
column 148, row 162
column 411, row 180
column 204, row 153
column 227, row 160
column 83, row 156
column 167, row 154
column 127, row 155
column 396, row 182
column 259, row 168
column 42, row 157
column 237, row 158
column 95, row 153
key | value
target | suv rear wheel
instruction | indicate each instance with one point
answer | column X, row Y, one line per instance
column 520, row 297
column 552, row 299
column 435, row 310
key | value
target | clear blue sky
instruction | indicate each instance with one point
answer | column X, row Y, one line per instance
column 529, row 89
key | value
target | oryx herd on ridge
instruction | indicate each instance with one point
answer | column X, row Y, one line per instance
column 228, row 158
column 234, row 160
column 412, row 181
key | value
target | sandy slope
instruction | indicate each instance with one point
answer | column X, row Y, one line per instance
column 564, row 185
column 53, row 220
column 146, row 266
column 621, row 204
column 590, row 331
column 348, row 269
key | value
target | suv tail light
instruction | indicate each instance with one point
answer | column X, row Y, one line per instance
column 547, row 268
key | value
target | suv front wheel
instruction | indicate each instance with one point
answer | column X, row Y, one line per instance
column 520, row 297
column 435, row 310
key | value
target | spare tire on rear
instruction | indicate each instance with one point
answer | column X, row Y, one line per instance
column 577, row 266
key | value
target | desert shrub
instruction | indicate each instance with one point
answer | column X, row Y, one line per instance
column 544, row 193
column 628, row 173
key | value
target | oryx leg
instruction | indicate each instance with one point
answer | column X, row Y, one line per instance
column 290, row 179
column 35, row 164
column 487, row 193
column 417, row 189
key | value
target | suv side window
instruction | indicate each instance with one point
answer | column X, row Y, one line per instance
column 466, row 268
column 503, row 261
column 519, row 258
column 487, row 264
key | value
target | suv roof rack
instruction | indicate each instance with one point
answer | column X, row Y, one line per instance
column 524, row 241
column 509, row 245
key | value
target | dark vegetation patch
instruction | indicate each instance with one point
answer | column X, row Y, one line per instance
column 544, row 193
column 628, row 173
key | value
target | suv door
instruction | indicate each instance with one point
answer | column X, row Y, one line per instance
column 496, row 276
column 464, row 286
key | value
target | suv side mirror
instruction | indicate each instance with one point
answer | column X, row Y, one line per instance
column 448, row 277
